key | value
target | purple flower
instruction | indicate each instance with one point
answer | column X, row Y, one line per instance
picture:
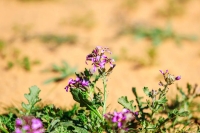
column 85, row 83
column 18, row 122
column 99, row 59
column 26, row 127
column 121, row 119
column 77, row 83
column 119, row 124
column 29, row 124
column 178, row 78
column 136, row 113
column 163, row 72
column 169, row 79
column 36, row 123
column 18, row 130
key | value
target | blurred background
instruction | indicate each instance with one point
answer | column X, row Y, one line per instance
column 43, row 42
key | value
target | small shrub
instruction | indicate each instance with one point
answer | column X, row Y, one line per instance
column 152, row 115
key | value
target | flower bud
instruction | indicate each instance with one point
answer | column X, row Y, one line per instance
column 170, row 79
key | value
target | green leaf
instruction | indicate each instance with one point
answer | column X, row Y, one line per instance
column 33, row 98
column 7, row 124
column 53, row 124
column 161, row 119
column 73, row 127
column 81, row 98
column 162, row 100
column 146, row 91
column 65, row 71
column 127, row 104
column 183, row 113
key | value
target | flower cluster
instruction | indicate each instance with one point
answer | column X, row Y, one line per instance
column 121, row 119
column 28, row 124
column 77, row 83
column 99, row 59
column 169, row 79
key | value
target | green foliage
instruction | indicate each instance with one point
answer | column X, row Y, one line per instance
column 10, row 65
column 126, row 104
column 7, row 122
column 83, row 99
column 152, row 53
column 24, row 62
column 72, row 128
column 156, row 35
column 152, row 115
column 2, row 48
column 58, row 39
column 32, row 98
column 2, row 45
column 156, row 115
column 173, row 8
column 65, row 71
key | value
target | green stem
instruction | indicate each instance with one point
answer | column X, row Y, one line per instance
column 105, row 94
column 163, row 92
column 3, row 129
column 96, row 112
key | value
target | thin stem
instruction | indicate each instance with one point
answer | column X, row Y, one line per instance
column 163, row 92
column 105, row 94
column 3, row 129
column 95, row 111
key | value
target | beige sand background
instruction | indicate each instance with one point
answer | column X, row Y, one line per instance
column 104, row 19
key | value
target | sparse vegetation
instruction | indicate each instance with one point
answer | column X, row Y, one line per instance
column 57, row 39
column 103, row 103
column 2, row 47
column 173, row 8
column 24, row 63
column 153, row 115
column 65, row 71
column 156, row 35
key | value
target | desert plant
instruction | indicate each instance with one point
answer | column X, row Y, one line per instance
column 153, row 115
column 65, row 71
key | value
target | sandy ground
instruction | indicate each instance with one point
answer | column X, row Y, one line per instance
column 107, row 17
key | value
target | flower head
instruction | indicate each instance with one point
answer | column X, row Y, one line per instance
column 99, row 59
column 121, row 119
column 18, row 122
column 178, row 78
column 36, row 124
column 77, row 83
column 28, row 124
column 169, row 79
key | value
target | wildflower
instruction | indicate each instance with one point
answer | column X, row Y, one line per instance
column 28, row 124
column 77, row 83
column 36, row 123
column 178, row 78
column 99, row 59
column 169, row 79
column 18, row 122
column 121, row 119
column 163, row 72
